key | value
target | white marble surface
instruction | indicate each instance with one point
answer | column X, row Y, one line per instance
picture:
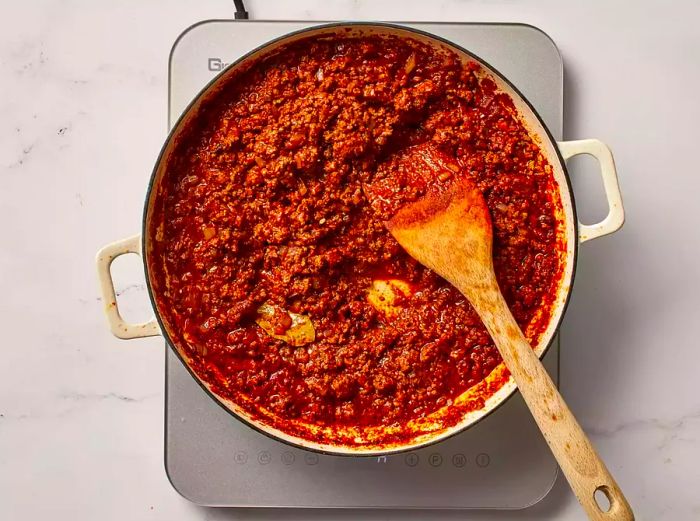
column 83, row 103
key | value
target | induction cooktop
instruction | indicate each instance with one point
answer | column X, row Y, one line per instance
column 213, row 459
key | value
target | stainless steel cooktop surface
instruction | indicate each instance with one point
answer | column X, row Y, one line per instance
column 502, row 462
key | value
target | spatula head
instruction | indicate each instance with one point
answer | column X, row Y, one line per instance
column 438, row 214
column 407, row 175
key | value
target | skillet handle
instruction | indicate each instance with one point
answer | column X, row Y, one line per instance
column 616, row 212
column 117, row 325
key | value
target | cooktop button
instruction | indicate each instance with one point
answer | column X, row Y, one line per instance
column 459, row 460
column 311, row 458
column 435, row 459
column 240, row 457
column 483, row 460
column 411, row 459
column 288, row 457
column 264, row 457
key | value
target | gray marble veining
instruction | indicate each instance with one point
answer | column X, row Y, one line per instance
column 83, row 101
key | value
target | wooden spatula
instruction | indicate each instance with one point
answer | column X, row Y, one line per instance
column 449, row 231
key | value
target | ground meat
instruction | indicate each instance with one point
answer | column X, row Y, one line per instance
column 264, row 202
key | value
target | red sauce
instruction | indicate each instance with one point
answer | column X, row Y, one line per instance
column 264, row 202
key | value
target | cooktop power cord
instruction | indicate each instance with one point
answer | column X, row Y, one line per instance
column 241, row 13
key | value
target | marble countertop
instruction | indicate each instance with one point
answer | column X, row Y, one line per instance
column 83, row 102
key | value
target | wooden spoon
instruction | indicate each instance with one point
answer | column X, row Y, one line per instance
column 449, row 231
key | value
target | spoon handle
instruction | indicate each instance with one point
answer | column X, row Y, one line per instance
column 578, row 459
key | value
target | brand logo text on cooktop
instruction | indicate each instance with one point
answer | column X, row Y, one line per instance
column 217, row 64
